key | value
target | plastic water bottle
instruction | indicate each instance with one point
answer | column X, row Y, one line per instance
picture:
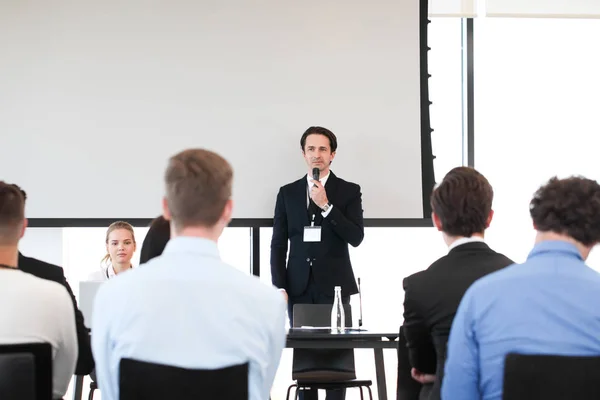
column 338, row 319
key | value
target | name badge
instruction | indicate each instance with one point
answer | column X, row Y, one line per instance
column 312, row 233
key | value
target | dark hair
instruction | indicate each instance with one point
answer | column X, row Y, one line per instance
column 463, row 202
column 198, row 186
column 156, row 239
column 318, row 130
column 569, row 207
column 12, row 213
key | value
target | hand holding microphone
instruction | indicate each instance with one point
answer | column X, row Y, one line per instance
column 317, row 192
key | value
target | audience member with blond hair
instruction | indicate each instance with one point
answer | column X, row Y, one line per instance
column 120, row 246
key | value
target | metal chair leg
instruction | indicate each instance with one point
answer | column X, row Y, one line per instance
column 361, row 393
column 370, row 393
column 287, row 396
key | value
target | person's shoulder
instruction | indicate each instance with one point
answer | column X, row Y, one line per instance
column 347, row 184
column 39, row 268
column 293, row 184
column 44, row 290
column 422, row 276
column 496, row 281
column 257, row 290
column 502, row 260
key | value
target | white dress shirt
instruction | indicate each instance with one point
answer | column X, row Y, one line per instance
column 465, row 240
column 37, row 310
column 322, row 180
column 189, row 309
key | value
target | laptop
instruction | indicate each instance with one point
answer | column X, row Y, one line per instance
column 87, row 294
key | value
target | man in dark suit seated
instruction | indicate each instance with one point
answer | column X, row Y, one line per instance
column 44, row 270
column 462, row 211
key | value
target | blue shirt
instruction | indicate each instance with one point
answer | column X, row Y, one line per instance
column 547, row 305
column 188, row 309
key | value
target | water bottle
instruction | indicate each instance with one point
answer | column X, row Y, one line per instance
column 338, row 319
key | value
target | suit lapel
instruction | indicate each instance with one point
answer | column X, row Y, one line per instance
column 331, row 187
column 299, row 197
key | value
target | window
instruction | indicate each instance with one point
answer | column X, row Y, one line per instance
column 536, row 115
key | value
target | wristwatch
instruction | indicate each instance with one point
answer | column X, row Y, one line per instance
column 326, row 207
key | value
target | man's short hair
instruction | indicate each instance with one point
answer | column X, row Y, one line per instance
column 570, row 207
column 463, row 202
column 319, row 130
column 198, row 186
column 12, row 213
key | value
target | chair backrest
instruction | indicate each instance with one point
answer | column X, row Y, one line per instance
column 318, row 315
column 139, row 380
column 407, row 387
column 321, row 364
column 549, row 377
column 26, row 371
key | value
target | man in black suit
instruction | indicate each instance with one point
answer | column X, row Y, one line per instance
column 319, row 217
column 462, row 211
column 44, row 270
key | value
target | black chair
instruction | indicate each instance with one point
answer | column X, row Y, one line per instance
column 327, row 369
column 551, row 377
column 26, row 371
column 139, row 380
column 93, row 388
column 407, row 387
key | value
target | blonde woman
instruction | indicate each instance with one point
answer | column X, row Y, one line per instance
column 120, row 246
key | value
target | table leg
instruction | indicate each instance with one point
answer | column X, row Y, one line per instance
column 78, row 388
column 380, row 374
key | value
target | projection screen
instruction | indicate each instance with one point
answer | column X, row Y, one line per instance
column 95, row 97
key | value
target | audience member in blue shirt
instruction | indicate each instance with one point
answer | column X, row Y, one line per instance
column 187, row 308
column 547, row 305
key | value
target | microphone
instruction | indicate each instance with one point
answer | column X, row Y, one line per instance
column 360, row 305
column 316, row 173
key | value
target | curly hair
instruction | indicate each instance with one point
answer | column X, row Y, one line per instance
column 463, row 202
column 569, row 206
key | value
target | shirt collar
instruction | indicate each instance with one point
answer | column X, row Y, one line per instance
column 554, row 246
column 192, row 244
column 465, row 240
column 109, row 271
column 322, row 179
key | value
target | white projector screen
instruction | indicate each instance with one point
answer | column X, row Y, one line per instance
column 96, row 95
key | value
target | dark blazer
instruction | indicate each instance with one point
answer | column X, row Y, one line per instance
column 44, row 270
column 329, row 259
column 431, row 298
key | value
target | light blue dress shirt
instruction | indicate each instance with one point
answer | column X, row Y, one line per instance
column 547, row 305
column 188, row 309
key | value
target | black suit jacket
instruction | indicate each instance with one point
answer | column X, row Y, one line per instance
column 44, row 270
column 329, row 259
column 431, row 298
